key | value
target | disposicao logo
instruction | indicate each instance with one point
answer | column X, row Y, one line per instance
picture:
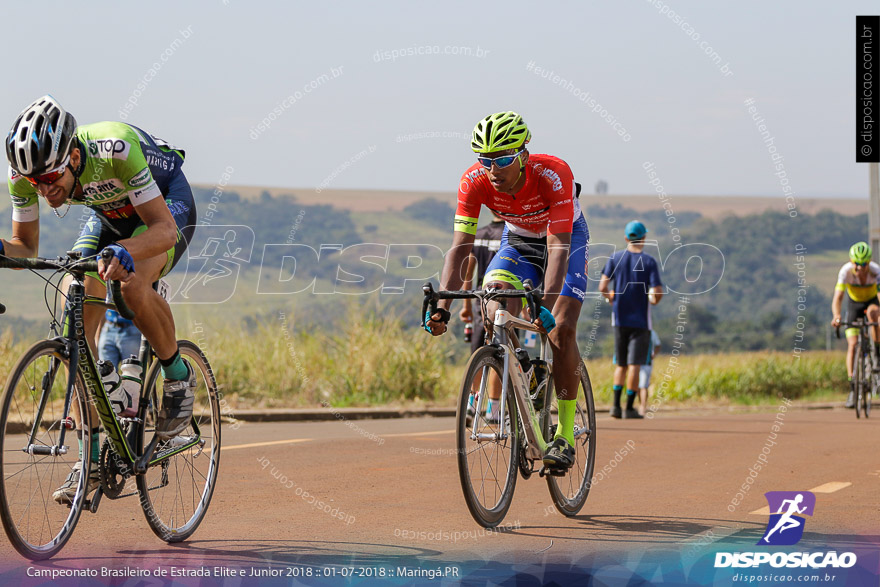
column 784, row 528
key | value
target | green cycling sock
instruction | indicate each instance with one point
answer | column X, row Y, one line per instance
column 174, row 369
column 96, row 447
column 565, row 429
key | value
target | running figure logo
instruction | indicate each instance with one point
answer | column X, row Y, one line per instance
column 214, row 260
column 784, row 527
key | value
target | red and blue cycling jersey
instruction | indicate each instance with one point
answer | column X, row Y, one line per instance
column 546, row 204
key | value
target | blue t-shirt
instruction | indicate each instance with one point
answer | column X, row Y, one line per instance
column 633, row 274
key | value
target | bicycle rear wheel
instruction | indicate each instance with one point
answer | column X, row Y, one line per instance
column 37, row 526
column 487, row 463
column 570, row 491
column 176, row 492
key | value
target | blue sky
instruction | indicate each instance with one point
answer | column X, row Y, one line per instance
column 240, row 60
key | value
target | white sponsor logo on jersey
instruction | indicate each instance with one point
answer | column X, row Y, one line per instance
column 142, row 178
column 103, row 191
column 109, row 148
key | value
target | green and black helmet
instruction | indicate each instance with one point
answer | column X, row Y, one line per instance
column 860, row 253
column 499, row 132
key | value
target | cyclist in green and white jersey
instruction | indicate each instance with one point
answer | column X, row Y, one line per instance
column 142, row 210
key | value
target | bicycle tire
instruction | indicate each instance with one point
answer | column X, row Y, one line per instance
column 570, row 492
column 174, row 522
column 473, row 461
column 858, row 375
column 867, row 385
column 56, row 523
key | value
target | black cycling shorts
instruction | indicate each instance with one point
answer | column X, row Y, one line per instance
column 855, row 310
column 631, row 345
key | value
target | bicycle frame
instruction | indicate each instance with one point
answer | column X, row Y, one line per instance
column 79, row 353
column 535, row 444
column 503, row 324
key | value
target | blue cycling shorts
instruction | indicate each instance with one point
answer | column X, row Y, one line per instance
column 522, row 258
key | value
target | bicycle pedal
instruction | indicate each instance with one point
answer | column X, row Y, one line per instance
column 552, row 472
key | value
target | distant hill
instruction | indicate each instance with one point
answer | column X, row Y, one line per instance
column 753, row 306
column 708, row 205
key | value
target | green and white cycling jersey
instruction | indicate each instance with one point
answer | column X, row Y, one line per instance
column 124, row 167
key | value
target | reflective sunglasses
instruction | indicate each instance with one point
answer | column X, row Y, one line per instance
column 500, row 162
column 861, row 264
column 51, row 176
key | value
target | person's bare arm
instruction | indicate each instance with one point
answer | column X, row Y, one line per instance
column 25, row 241
column 605, row 288
column 161, row 234
column 836, row 303
column 466, row 313
column 453, row 275
column 655, row 295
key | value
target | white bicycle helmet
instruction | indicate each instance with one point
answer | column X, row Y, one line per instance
column 41, row 138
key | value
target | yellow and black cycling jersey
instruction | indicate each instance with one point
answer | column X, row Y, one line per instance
column 848, row 281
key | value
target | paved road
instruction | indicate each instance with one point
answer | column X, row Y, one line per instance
column 673, row 491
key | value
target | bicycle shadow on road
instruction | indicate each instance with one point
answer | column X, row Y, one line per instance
column 661, row 530
column 623, row 528
column 275, row 552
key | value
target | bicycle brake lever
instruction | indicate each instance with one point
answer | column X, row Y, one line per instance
column 429, row 299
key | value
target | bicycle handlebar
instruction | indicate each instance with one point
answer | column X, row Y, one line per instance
column 533, row 297
column 114, row 291
column 78, row 267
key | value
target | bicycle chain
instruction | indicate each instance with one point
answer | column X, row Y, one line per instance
column 112, row 475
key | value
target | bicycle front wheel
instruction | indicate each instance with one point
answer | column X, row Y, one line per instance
column 868, row 381
column 31, row 419
column 860, row 376
column 570, row 491
column 488, row 449
column 175, row 492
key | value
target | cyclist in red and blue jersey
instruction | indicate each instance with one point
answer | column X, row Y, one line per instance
column 545, row 240
column 142, row 211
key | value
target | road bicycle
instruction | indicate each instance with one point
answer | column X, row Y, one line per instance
column 493, row 448
column 865, row 378
column 45, row 408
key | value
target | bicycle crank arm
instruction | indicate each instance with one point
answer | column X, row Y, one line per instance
column 92, row 505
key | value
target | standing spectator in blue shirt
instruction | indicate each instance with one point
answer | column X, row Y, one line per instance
column 119, row 339
column 636, row 286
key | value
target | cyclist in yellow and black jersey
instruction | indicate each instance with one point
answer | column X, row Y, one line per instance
column 857, row 281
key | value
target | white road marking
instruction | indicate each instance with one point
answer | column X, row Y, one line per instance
column 256, row 444
column 829, row 487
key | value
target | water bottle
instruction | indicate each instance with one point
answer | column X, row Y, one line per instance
column 522, row 356
column 109, row 376
column 537, row 386
column 130, row 388
column 468, row 331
